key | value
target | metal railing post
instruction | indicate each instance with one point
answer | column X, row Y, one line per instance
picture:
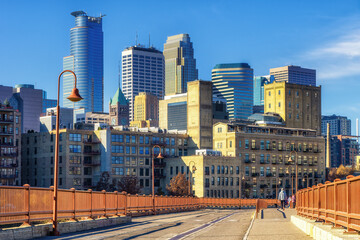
column 103, row 191
column 74, row 202
column 27, row 204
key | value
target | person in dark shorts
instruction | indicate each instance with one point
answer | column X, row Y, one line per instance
column 282, row 197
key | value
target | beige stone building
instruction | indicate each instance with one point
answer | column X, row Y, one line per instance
column 10, row 145
column 146, row 109
column 199, row 115
column 298, row 105
column 264, row 151
column 211, row 176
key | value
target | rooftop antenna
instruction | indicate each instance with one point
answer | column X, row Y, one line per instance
column 136, row 39
column 149, row 40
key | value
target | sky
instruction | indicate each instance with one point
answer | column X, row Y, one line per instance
column 322, row 35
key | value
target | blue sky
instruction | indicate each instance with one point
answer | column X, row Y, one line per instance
column 324, row 35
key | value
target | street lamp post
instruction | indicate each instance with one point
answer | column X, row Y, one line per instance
column 74, row 97
column 193, row 170
column 276, row 187
column 292, row 180
column 296, row 169
column 153, row 174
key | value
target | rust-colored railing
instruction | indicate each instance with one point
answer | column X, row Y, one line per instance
column 333, row 202
column 28, row 204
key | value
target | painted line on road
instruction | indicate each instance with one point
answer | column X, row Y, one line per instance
column 202, row 227
column 252, row 222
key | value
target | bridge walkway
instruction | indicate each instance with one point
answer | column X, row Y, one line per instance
column 273, row 223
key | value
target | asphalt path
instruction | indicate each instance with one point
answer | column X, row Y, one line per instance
column 203, row 224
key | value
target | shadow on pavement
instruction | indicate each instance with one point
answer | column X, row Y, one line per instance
column 283, row 213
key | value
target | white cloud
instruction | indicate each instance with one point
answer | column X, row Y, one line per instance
column 336, row 59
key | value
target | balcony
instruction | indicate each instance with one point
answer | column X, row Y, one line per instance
column 8, row 176
column 9, row 144
column 91, row 163
column 6, row 132
column 90, row 141
column 159, row 164
column 8, row 154
column 159, row 175
column 2, row 120
column 91, row 152
column 12, row 165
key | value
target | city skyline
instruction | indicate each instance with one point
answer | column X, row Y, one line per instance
column 322, row 32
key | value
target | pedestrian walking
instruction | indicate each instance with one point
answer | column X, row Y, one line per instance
column 282, row 197
column 289, row 201
column 293, row 199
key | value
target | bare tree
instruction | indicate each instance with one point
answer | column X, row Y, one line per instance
column 104, row 183
column 178, row 186
column 129, row 184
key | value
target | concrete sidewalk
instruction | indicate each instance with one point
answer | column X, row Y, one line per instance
column 275, row 224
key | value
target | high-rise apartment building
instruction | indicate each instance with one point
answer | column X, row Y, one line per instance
column 339, row 125
column 180, row 64
column 146, row 109
column 298, row 105
column 234, row 82
column 10, row 145
column 173, row 112
column 86, row 60
column 294, row 74
column 142, row 71
column 343, row 150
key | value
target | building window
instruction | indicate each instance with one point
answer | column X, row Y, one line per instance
column 246, row 144
column 219, row 130
column 75, row 148
column 75, row 137
column 74, row 170
column 269, row 93
column 269, row 105
column 117, row 138
column 279, row 104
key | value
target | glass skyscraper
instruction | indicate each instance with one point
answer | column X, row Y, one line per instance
column 86, row 60
column 259, row 83
column 180, row 64
column 234, row 82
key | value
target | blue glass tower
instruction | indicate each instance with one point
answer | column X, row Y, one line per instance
column 86, row 60
column 259, row 83
column 234, row 82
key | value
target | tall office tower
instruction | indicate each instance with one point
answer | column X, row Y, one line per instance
column 298, row 105
column 259, row 83
column 142, row 71
column 199, row 115
column 146, row 109
column 339, row 125
column 234, row 82
column 180, row 64
column 30, row 105
column 294, row 74
column 119, row 109
column 86, row 60
column 173, row 112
